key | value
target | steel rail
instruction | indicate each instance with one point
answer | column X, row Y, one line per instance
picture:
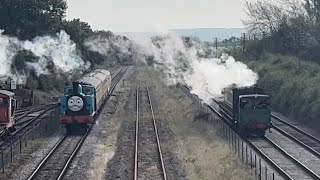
column 73, row 155
column 268, row 160
column 32, row 176
column 33, row 120
column 136, row 137
column 308, row 148
column 282, row 151
column 32, row 110
column 157, row 136
column 79, row 144
column 54, row 150
column 23, row 126
column 296, row 128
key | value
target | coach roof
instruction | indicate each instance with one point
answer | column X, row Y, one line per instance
column 7, row 93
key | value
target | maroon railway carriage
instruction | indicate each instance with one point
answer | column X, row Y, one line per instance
column 7, row 108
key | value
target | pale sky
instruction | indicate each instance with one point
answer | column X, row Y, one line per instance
column 160, row 15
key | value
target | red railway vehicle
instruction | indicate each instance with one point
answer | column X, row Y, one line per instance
column 7, row 108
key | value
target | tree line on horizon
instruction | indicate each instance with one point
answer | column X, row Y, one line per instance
column 288, row 27
column 27, row 19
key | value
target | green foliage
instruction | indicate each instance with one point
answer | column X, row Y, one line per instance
column 289, row 27
column 32, row 83
column 27, row 19
column 78, row 30
column 294, row 85
column 19, row 61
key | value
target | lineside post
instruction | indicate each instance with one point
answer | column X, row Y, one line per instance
column 11, row 152
column 2, row 160
column 260, row 169
column 266, row 177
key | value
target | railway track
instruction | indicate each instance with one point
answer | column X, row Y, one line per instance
column 284, row 163
column 27, row 117
column 292, row 167
column 309, row 142
column 31, row 114
column 148, row 163
column 57, row 162
column 116, row 79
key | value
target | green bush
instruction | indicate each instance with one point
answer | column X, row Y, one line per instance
column 294, row 85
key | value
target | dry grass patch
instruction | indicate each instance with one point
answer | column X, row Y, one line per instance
column 206, row 156
column 203, row 153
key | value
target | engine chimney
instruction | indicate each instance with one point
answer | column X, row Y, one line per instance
column 75, row 87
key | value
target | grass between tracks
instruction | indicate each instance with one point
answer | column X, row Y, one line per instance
column 202, row 152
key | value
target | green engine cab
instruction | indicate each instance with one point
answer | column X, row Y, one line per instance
column 254, row 114
column 249, row 108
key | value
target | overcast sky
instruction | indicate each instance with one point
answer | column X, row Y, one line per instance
column 157, row 15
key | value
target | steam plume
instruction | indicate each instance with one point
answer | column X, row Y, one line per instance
column 187, row 61
column 58, row 51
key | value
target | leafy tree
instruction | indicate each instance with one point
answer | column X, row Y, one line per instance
column 27, row 19
column 78, row 30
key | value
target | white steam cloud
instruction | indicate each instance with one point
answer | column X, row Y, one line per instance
column 189, row 63
column 6, row 54
column 59, row 50
column 113, row 47
column 105, row 45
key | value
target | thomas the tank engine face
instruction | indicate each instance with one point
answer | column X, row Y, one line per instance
column 81, row 100
column 75, row 103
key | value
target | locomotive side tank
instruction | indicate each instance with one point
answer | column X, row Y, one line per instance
column 249, row 108
column 81, row 101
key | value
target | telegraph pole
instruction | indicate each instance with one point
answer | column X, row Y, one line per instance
column 216, row 47
column 244, row 42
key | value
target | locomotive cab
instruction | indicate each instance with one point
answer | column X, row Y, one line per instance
column 254, row 113
column 249, row 108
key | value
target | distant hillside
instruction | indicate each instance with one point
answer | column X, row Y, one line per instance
column 205, row 34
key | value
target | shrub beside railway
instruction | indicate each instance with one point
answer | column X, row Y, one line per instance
column 294, row 85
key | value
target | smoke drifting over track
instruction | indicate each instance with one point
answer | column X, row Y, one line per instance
column 183, row 60
column 58, row 51
column 187, row 61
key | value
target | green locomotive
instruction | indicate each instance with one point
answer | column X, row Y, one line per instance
column 249, row 108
